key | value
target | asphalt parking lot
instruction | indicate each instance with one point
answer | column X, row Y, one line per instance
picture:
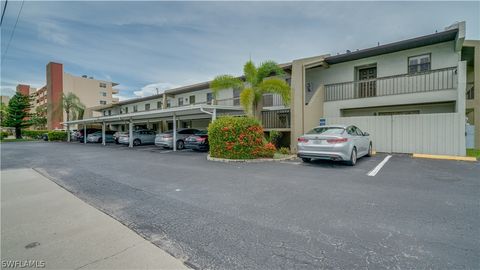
column 414, row 213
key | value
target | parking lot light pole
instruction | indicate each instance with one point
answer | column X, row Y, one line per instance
column 130, row 133
column 174, row 143
column 103, row 133
column 85, row 133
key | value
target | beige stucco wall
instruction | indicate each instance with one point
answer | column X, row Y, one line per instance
column 88, row 90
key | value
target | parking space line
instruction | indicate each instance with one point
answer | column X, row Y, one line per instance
column 379, row 166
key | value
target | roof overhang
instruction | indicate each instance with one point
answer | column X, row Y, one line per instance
column 456, row 33
column 158, row 114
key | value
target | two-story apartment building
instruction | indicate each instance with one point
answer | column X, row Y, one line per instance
column 425, row 75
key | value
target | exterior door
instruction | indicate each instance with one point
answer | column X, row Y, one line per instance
column 369, row 87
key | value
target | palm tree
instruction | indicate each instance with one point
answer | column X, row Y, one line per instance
column 256, row 82
column 72, row 105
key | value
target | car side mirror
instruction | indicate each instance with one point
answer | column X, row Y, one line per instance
column 366, row 134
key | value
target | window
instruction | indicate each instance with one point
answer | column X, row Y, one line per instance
column 180, row 101
column 169, row 104
column 126, row 109
column 352, row 130
column 104, row 113
column 236, row 97
column 103, row 93
column 159, row 104
column 109, row 112
column 147, row 107
column 209, row 98
column 135, row 108
column 103, row 85
column 192, row 99
column 103, row 102
column 326, row 130
column 418, row 64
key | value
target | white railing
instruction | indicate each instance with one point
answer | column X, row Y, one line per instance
column 434, row 80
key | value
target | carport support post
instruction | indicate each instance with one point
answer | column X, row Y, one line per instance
column 174, row 143
column 103, row 133
column 214, row 115
column 68, row 133
column 130, row 133
column 85, row 133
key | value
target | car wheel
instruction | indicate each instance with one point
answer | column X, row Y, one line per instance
column 180, row 145
column 353, row 157
column 370, row 150
column 136, row 142
column 306, row 159
column 100, row 140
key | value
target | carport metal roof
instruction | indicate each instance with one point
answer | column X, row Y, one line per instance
column 184, row 111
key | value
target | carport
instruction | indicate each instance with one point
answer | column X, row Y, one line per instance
column 174, row 114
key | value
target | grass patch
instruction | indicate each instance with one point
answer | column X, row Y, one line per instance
column 279, row 155
column 473, row 153
column 17, row 140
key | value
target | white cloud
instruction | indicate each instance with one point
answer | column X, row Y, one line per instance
column 153, row 89
column 121, row 97
column 52, row 32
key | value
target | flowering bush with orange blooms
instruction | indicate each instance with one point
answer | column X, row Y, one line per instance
column 238, row 138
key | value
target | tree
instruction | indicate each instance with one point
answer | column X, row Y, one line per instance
column 257, row 81
column 72, row 105
column 39, row 119
column 18, row 113
column 3, row 113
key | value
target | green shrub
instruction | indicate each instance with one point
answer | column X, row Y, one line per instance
column 238, row 138
column 284, row 150
column 34, row 134
column 57, row 136
column 3, row 135
column 274, row 136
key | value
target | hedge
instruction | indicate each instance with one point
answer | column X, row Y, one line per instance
column 57, row 136
column 34, row 134
column 238, row 138
column 3, row 134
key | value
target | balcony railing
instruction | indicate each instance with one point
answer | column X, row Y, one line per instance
column 434, row 80
column 470, row 91
column 276, row 118
column 272, row 100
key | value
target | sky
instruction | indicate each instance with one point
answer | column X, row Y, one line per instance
column 147, row 45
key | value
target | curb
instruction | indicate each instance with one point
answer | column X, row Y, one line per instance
column 444, row 157
column 258, row 160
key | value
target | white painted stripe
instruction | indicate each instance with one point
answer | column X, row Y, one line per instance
column 379, row 166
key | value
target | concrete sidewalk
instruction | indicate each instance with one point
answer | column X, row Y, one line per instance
column 44, row 224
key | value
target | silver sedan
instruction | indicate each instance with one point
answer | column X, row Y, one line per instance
column 334, row 142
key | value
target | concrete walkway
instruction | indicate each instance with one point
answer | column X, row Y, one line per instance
column 44, row 224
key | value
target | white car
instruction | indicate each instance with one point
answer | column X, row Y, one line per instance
column 334, row 142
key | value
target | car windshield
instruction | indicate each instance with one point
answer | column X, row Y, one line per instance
column 327, row 130
column 201, row 132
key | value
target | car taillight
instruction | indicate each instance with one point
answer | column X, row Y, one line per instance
column 200, row 139
column 340, row 140
column 302, row 139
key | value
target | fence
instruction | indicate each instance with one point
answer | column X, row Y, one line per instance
column 440, row 133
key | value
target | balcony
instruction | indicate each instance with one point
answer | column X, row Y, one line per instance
column 434, row 80
column 114, row 91
column 470, row 91
column 276, row 119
